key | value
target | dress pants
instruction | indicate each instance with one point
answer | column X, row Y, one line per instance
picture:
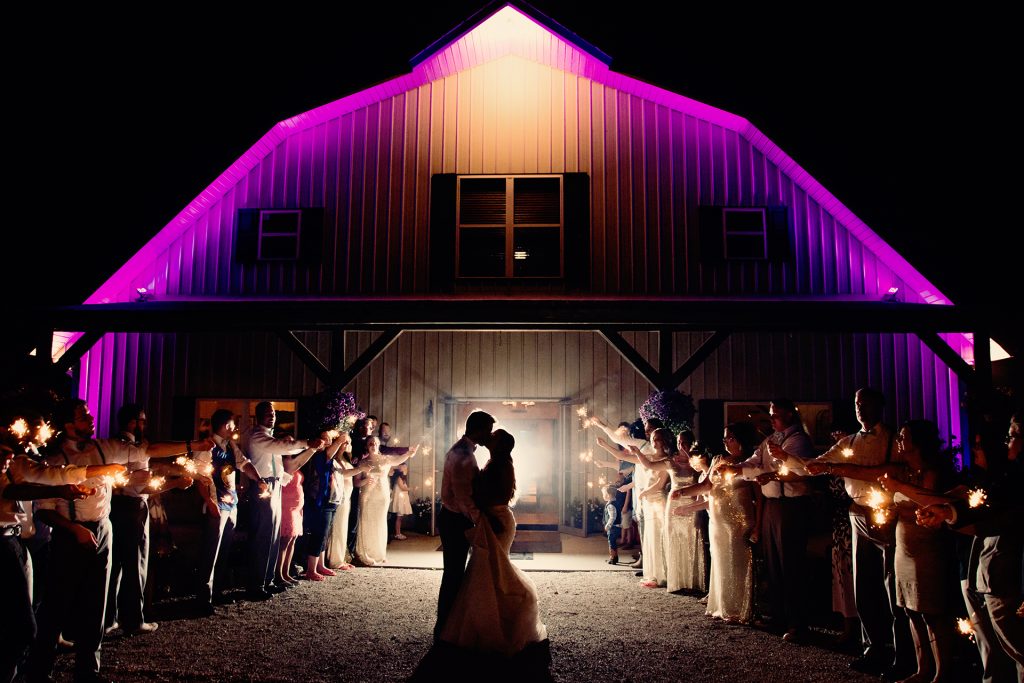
column 76, row 596
column 217, row 538
column 884, row 624
column 18, row 625
column 129, row 517
column 455, row 552
column 784, row 544
column 265, row 542
column 996, row 665
column 353, row 521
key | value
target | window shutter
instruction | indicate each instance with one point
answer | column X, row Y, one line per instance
column 709, row 223
column 311, row 236
column 247, row 229
column 442, row 232
column 577, row 231
column 778, row 234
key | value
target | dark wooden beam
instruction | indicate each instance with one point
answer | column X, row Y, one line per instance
column 709, row 346
column 337, row 350
column 983, row 362
column 307, row 357
column 77, row 350
column 632, row 356
column 341, row 377
column 665, row 352
column 579, row 313
column 948, row 356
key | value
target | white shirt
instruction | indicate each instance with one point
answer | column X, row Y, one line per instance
column 265, row 451
column 869, row 448
column 125, row 451
column 457, row 481
column 24, row 470
column 206, row 458
column 793, row 440
column 94, row 508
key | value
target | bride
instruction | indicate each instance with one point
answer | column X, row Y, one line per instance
column 496, row 607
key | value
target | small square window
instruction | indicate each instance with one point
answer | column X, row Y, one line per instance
column 482, row 252
column 745, row 233
column 279, row 235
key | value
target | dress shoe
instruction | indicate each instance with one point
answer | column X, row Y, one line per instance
column 274, row 588
column 65, row 644
column 257, row 595
column 143, row 628
column 795, row 635
column 109, row 631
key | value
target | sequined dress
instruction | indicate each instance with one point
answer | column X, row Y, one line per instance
column 684, row 552
column 731, row 514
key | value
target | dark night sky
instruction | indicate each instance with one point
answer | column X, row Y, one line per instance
column 905, row 121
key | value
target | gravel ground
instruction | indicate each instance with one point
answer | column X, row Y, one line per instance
column 375, row 625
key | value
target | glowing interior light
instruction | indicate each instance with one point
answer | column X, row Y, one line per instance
column 428, row 481
column 519, row 255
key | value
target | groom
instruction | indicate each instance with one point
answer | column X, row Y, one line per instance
column 458, row 511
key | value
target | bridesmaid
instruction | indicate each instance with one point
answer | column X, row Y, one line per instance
column 684, row 554
column 731, row 513
column 337, row 540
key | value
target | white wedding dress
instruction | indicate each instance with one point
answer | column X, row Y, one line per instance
column 496, row 609
column 374, row 499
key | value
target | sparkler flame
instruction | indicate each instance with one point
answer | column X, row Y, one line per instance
column 847, row 452
column 428, row 481
column 265, row 494
column 729, row 477
column 783, row 470
column 590, row 484
column 964, row 627
column 976, row 497
column 206, row 469
column 234, row 437
column 587, row 423
column 879, row 516
column 20, row 428
column 156, row 483
column 875, row 499
column 582, row 411
column 180, row 460
column 44, row 433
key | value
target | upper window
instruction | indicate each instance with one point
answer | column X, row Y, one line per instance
column 745, row 233
column 279, row 235
column 510, row 227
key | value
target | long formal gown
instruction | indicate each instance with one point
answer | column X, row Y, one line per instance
column 653, row 540
column 374, row 498
column 496, row 609
column 684, row 552
column 731, row 515
column 337, row 539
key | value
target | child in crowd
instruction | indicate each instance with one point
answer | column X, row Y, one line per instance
column 400, row 505
column 611, row 523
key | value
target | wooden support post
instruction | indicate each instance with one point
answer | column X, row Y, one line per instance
column 307, row 357
column 632, row 356
column 696, row 360
column 948, row 356
column 341, row 377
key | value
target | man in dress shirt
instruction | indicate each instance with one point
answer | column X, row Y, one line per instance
column 784, row 523
column 76, row 594
column 458, row 512
column 24, row 479
column 265, row 453
column 884, row 624
column 129, row 516
column 220, row 498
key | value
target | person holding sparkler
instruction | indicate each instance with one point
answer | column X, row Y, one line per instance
column 220, row 497
column 786, row 516
column 860, row 459
column 23, row 479
column 992, row 590
column 730, row 501
column 129, row 515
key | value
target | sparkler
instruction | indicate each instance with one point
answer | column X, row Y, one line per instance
column 878, row 503
column 426, row 450
column 582, row 411
column 393, row 440
column 783, row 470
column 333, row 434
column 601, row 481
column 20, row 428
column 590, row 484
column 847, row 452
column 265, row 494
column 227, row 498
column 729, row 477
column 157, row 483
column 976, row 497
column 234, row 437
column 964, row 627
column 187, row 463
column 44, row 433
column 206, row 469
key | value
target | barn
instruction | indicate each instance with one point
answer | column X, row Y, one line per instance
column 513, row 225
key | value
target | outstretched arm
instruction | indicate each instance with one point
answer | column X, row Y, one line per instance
column 656, row 466
column 616, row 453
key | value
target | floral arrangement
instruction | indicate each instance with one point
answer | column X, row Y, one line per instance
column 674, row 408
column 336, row 410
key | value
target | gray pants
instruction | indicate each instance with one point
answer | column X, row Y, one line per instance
column 129, row 565
column 884, row 625
column 996, row 665
column 76, row 596
column 219, row 533
column 265, row 542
